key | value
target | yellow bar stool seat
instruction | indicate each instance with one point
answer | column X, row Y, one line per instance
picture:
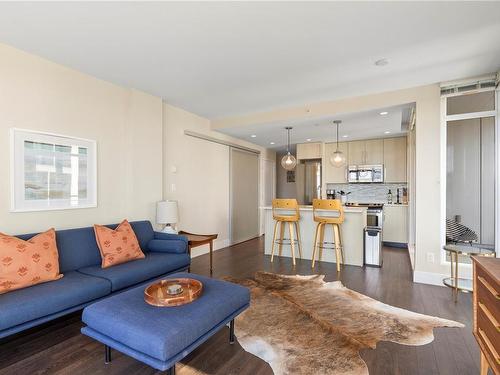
column 328, row 212
column 286, row 213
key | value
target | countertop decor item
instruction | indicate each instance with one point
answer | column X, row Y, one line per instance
column 288, row 161
column 454, row 281
column 337, row 158
column 331, row 325
column 158, row 293
column 195, row 240
column 167, row 214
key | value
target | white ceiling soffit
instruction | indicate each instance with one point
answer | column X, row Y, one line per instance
column 225, row 58
column 378, row 123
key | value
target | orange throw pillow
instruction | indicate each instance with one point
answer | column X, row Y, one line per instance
column 27, row 263
column 117, row 246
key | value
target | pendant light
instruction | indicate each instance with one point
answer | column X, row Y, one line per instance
column 288, row 161
column 337, row 158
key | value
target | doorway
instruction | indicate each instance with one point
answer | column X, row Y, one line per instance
column 244, row 195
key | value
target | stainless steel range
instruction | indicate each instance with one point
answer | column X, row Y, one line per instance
column 373, row 232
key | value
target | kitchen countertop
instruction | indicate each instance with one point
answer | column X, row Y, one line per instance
column 309, row 208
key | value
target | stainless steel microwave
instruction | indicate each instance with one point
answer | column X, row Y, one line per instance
column 365, row 173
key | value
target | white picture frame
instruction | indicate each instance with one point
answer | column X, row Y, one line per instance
column 51, row 171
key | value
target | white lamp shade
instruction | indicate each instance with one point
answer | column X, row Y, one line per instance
column 166, row 212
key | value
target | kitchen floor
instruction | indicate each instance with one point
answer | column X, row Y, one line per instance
column 59, row 348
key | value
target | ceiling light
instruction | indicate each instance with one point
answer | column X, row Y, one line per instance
column 384, row 113
column 271, row 143
column 382, row 62
column 387, row 132
column 253, row 136
column 308, row 139
column 345, row 136
column 337, row 159
column 288, row 161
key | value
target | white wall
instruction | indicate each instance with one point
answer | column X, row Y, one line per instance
column 199, row 171
column 427, row 159
column 127, row 125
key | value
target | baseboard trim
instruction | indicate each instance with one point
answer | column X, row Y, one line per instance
column 429, row 278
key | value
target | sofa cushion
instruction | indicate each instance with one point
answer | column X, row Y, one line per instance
column 117, row 245
column 26, row 263
column 23, row 305
column 136, row 271
column 163, row 333
column 170, row 246
column 78, row 247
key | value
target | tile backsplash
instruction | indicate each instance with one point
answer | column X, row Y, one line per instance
column 368, row 193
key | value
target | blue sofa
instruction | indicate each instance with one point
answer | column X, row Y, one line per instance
column 85, row 281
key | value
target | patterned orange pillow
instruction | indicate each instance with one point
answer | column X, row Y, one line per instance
column 117, row 246
column 26, row 263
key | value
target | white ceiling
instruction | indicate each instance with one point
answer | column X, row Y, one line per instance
column 354, row 126
column 225, row 58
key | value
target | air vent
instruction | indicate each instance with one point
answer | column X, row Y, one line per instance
column 464, row 87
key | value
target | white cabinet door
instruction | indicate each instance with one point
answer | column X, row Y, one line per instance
column 395, row 228
column 334, row 175
column 374, row 151
column 356, row 153
column 309, row 151
column 395, row 159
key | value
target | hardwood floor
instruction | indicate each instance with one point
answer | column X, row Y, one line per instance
column 59, row 348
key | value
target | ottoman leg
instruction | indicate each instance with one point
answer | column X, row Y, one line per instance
column 107, row 354
column 171, row 370
column 231, row 332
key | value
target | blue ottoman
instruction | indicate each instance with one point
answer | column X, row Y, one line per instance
column 162, row 336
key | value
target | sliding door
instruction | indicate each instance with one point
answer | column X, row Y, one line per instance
column 244, row 187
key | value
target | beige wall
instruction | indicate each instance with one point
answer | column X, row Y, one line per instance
column 428, row 158
column 199, row 171
column 127, row 125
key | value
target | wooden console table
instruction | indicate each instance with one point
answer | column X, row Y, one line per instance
column 195, row 240
column 486, row 310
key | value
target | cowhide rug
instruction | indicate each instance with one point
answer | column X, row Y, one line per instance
column 303, row 325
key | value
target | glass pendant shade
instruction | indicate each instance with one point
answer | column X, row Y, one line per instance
column 337, row 159
column 288, row 162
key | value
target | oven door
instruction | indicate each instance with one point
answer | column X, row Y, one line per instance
column 365, row 175
column 373, row 219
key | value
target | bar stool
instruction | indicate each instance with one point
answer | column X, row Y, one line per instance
column 286, row 211
column 328, row 211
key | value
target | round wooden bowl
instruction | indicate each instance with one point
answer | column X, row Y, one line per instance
column 156, row 294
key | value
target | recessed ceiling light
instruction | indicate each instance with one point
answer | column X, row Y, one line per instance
column 345, row 136
column 387, row 132
column 384, row 113
column 382, row 62
column 253, row 136
column 308, row 139
column 271, row 143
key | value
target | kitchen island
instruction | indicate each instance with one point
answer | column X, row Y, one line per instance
column 352, row 231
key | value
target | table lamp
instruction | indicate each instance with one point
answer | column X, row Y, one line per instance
column 166, row 213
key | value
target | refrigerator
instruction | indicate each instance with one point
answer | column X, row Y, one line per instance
column 308, row 181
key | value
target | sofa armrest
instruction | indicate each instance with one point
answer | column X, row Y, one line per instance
column 168, row 246
column 169, row 236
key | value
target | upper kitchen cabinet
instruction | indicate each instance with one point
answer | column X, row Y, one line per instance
column 334, row 175
column 395, row 159
column 374, row 151
column 366, row 152
column 309, row 151
column 356, row 153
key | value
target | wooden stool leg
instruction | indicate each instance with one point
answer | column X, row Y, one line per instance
column 292, row 242
column 336, row 238
column 321, row 240
column 484, row 365
column 299, row 238
column 274, row 240
column 341, row 245
column 282, row 235
column 315, row 243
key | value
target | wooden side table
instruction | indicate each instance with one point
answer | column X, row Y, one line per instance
column 195, row 240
